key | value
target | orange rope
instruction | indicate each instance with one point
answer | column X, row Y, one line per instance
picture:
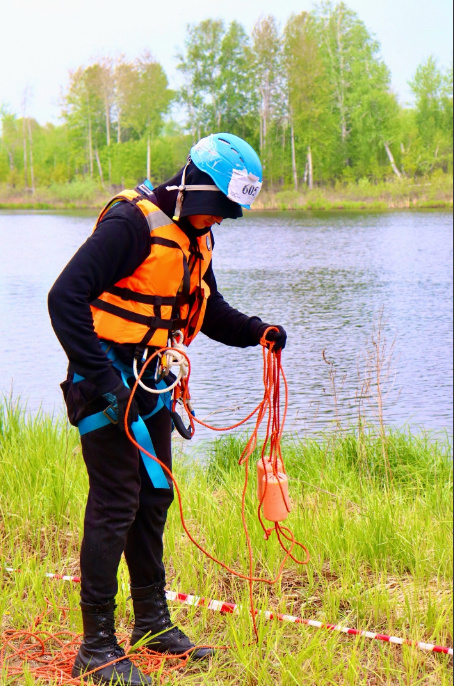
column 272, row 372
column 50, row 655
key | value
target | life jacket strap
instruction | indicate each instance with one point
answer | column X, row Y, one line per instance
column 167, row 243
column 128, row 294
column 149, row 322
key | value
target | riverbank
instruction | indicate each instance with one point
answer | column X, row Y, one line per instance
column 379, row 538
column 321, row 201
column 432, row 192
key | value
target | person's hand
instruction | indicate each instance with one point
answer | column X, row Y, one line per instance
column 277, row 335
column 118, row 399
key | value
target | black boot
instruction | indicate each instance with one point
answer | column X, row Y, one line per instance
column 152, row 617
column 100, row 647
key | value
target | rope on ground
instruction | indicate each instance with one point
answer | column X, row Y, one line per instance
column 50, row 655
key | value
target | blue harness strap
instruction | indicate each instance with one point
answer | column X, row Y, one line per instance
column 154, row 469
column 138, row 428
column 142, row 436
column 92, row 423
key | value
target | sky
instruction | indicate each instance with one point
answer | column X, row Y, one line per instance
column 41, row 40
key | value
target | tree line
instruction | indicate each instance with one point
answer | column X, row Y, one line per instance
column 313, row 98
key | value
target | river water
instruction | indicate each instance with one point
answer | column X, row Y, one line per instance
column 325, row 276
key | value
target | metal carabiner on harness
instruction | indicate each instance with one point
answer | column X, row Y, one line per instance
column 175, row 356
column 185, row 432
column 172, row 358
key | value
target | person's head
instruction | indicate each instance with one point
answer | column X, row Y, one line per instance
column 223, row 175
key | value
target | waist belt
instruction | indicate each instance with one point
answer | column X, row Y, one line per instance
column 138, row 428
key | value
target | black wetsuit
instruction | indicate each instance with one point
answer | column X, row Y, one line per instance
column 124, row 512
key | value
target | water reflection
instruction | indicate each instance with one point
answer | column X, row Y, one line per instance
column 324, row 276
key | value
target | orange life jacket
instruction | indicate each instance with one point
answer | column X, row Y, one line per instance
column 166, row 292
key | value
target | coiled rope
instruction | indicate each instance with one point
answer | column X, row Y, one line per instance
column 50, row 655
column 269, row 410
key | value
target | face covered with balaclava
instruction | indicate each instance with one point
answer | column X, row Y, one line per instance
column 195, row 202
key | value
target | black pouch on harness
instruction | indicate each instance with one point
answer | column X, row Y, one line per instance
column 82, row 399
column 67, row 397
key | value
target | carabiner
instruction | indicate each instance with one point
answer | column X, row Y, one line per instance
column 185, row 432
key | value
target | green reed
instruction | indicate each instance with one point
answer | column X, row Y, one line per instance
column 381, row 551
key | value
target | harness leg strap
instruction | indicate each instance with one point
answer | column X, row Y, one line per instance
column 142, row 436
column 154, row 470
column 139, row 428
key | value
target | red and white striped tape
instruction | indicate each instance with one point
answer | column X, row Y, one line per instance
column 230, row 608
column 61, row 577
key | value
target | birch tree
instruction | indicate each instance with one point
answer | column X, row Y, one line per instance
column 12, row 144
column 268, row 73
column 124, row 84
column 149, row 101
column 219, row 89
column 354, row 68
column 237, row 100
column 374, row 145
column 311, row 119
column 433, row 116
column 269, row 80
column 85, row 112
column 201, row 70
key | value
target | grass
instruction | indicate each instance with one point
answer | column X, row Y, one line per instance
column 406, row 193
column 435, row 191
column 381, row 551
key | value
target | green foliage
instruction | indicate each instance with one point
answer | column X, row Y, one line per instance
column 12, row 153
column 217, row 70
column 83, row 189
column 362, row 104
column 313, row 97
column 106, row 106
column 433, row 117
column 268, row 77
column 149, row 99
column 310, row 99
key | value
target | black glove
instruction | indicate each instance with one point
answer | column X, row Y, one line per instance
column 279, row 337
column 118, row 400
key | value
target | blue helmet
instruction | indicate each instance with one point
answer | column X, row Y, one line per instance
column 233, row 165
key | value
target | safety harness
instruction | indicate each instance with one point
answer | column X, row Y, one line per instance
column 139, row 428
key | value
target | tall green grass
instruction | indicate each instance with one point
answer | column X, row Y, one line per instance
column 381, row 551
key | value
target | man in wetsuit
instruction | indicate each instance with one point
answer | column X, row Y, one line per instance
column 145, row 272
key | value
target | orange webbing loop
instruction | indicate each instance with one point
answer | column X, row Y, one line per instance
column 270, row 404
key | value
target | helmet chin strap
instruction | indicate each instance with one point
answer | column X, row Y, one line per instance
column 183, row 187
